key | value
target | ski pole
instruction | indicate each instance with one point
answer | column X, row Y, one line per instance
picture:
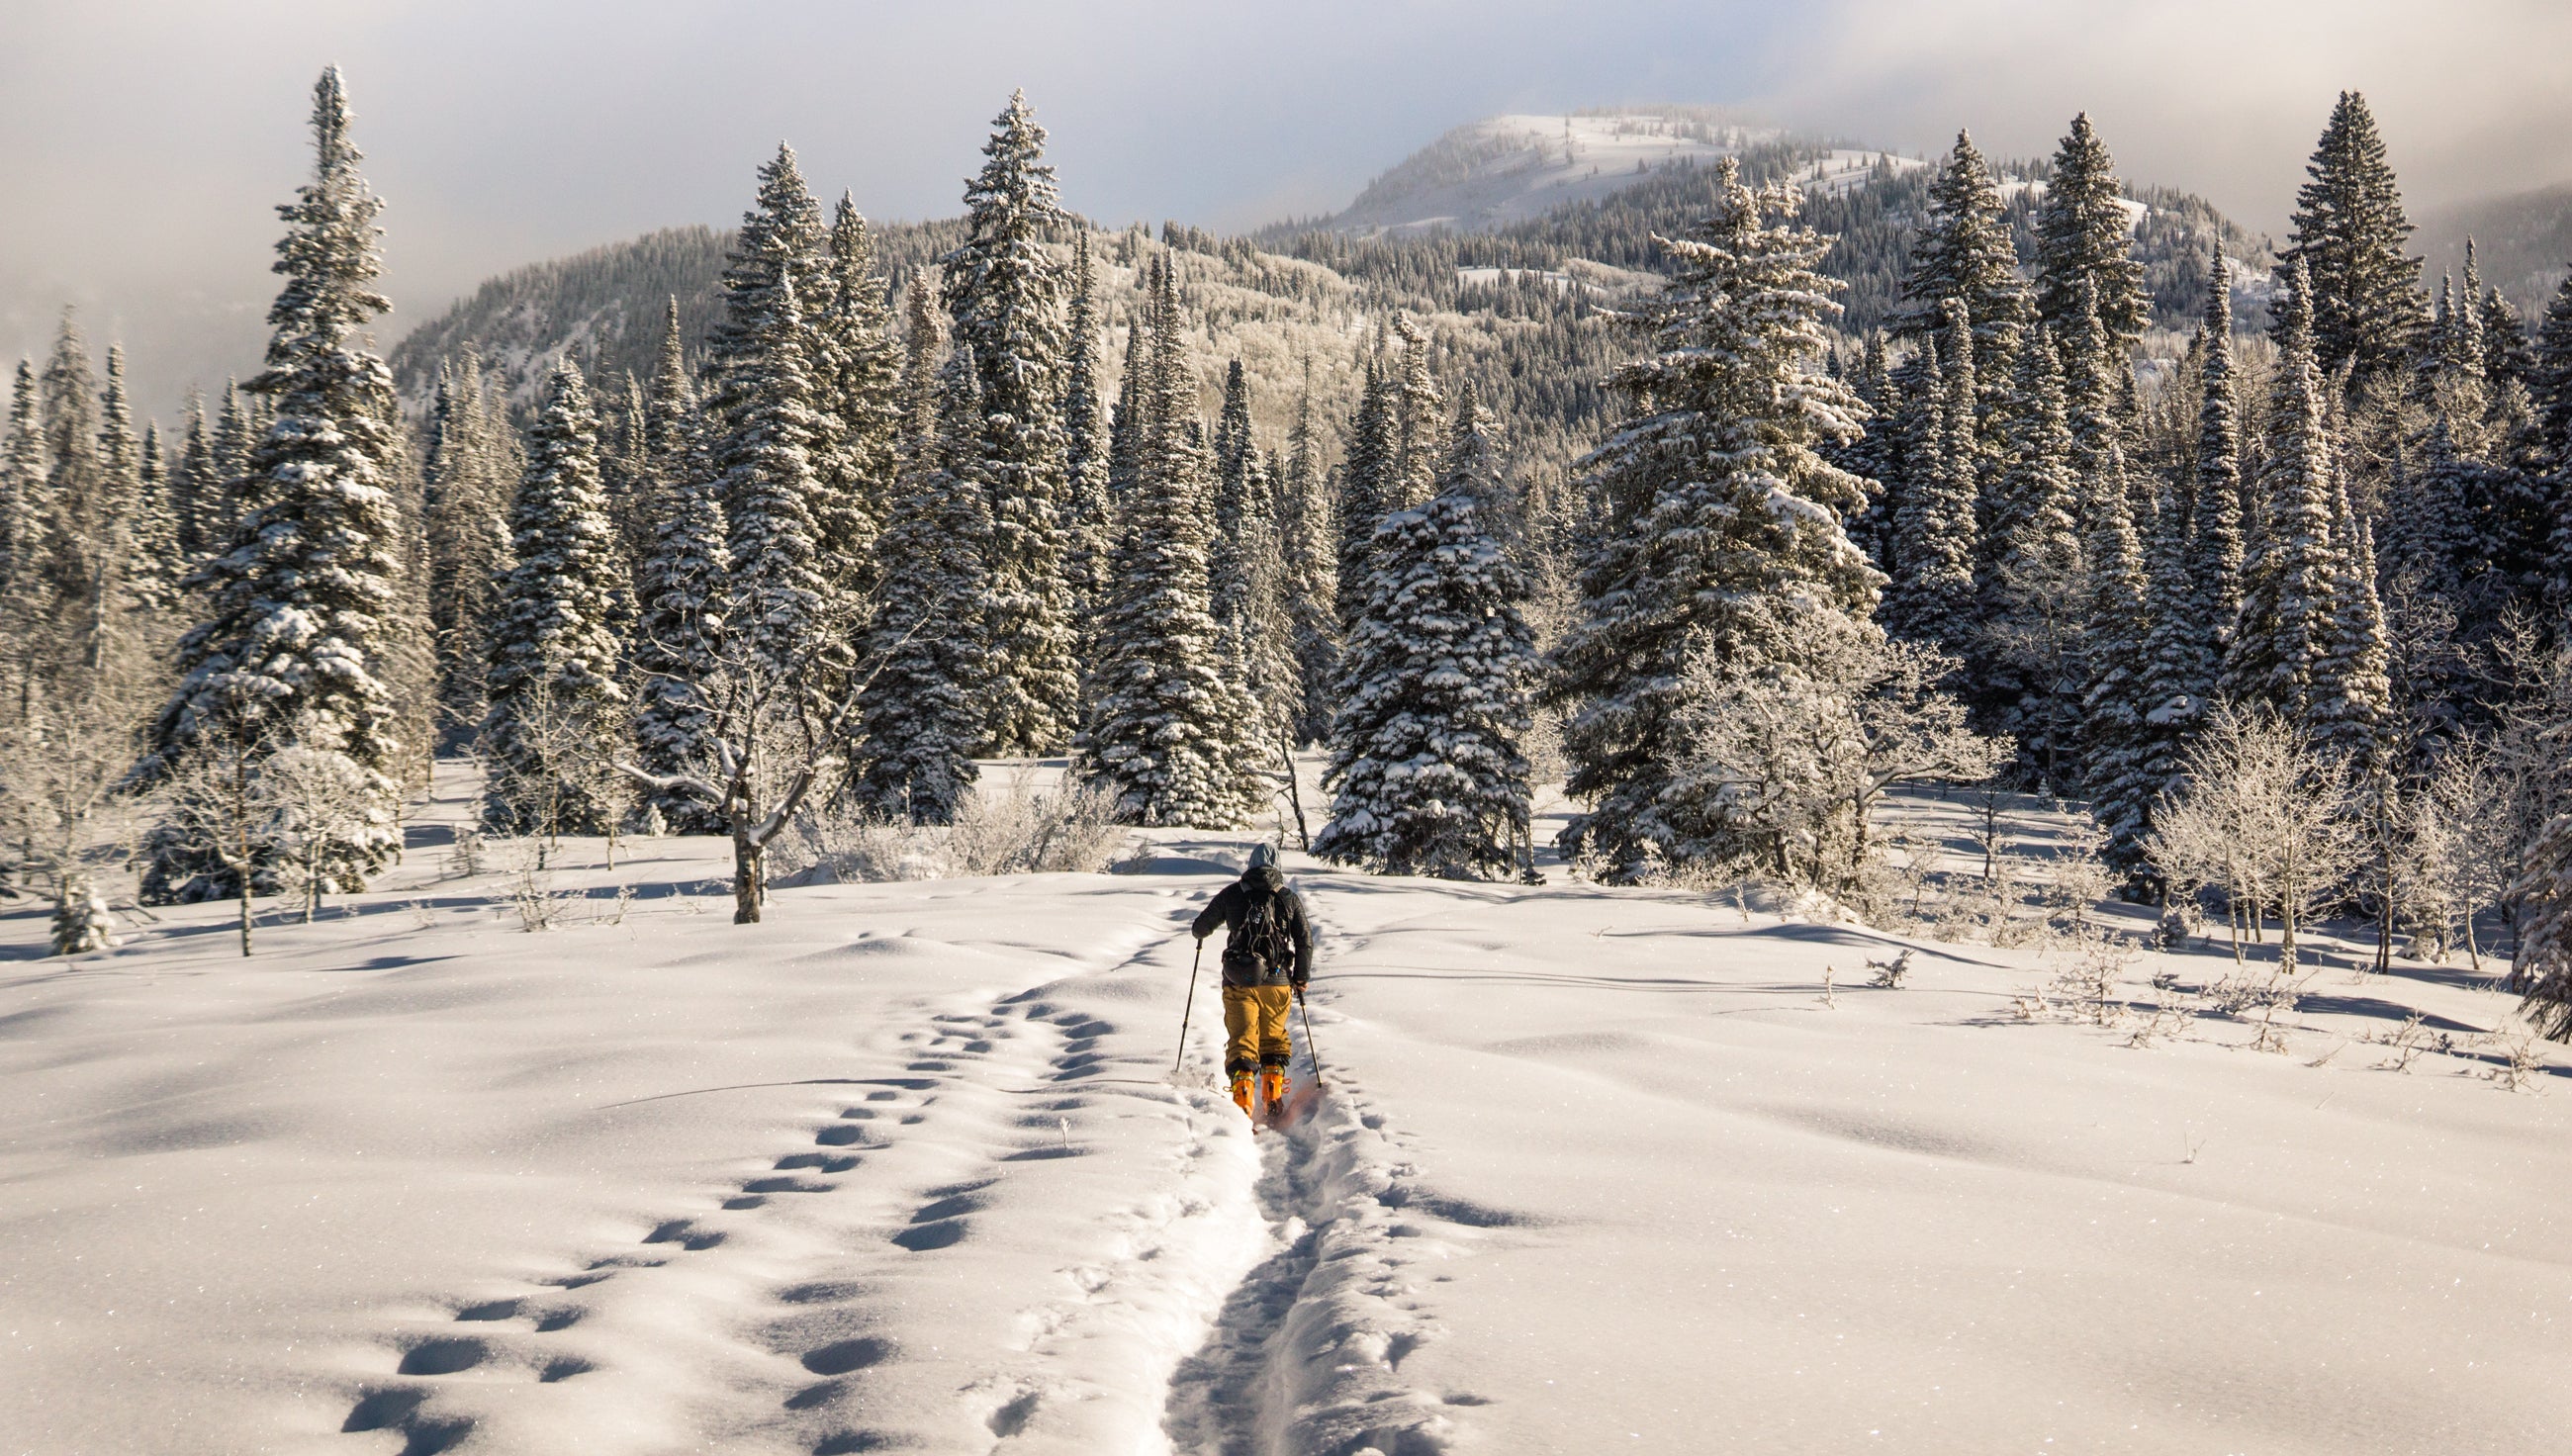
column 1310, row 1050
column 1190, row 1010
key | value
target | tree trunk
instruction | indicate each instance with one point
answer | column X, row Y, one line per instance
column 1294, row 789
column 244, row 879
column 748, row 887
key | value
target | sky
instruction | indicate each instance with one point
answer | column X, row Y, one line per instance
column 144, row 144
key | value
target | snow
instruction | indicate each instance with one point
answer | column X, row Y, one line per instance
column 1505, row 169
column 907, row 1166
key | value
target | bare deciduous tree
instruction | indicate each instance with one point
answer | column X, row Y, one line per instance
column 1795, row 761
column 2264, row 816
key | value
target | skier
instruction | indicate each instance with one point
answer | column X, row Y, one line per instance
column 1266, row 960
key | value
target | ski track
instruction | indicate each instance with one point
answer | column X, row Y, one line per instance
column 780, row 1283
column 1307, row 1354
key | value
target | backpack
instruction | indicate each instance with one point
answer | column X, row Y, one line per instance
column 1262, row 941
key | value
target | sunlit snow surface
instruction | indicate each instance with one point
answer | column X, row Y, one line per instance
column 905, row 1167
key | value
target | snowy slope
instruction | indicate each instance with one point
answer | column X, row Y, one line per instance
column 1504, row 169
column 905, row 1167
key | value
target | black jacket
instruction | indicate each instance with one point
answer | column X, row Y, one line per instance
column 1227, row 909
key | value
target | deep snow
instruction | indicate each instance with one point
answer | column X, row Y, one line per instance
column 905, row 1167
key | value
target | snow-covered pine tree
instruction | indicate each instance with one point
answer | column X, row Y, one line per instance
column 2353, row 697
column 679, row 589
column 1418, row 423
column 767, row 427
column 159, row 564
column 554, row 655
column 237, row 432
column 2507, row 357
column 1170, row 735
column 1227, row 567
column 1723, row 523
column 1876, row 456
column 2082, row 238
column 1088, row 513
column 2215, row 498
column 2117, row 748
column 2348, row 233
column 124, row 574
column 2288, row 577
column 779, row 607
column 922, row 712
column 1263, row 630
column 1427, row 768
column 469, row 536
column 194, row 493
column 2177, row 665
column 861, row 382
column 22, row 488
column 1364, row 477
column 1003, row 291
column 1125, row 426
column 2031, row 583
column 1963, row 253
column 298, row 607
column 1938, row 535
column 1310, row 540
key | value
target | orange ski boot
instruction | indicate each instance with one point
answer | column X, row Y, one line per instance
column 1241, row 1095
column 1272, row 1090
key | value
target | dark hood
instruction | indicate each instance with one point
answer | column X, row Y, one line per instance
column 1264, row 877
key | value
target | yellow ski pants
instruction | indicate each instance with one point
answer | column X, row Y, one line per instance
column 1254, row 1027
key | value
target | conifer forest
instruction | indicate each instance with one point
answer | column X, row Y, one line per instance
column 1944, row 565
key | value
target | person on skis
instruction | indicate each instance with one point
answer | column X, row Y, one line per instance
column 1266, row 960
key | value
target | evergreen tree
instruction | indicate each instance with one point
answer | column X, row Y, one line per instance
column 237, row 433
column 2082, row 233
column 1963, row 253
column 780, row 607
column 2214, row 526
column 1364, row 480
column 922, row 712
column 553, row 652
column 1937, row 537
column 768, row 431
column 1227, row 566
column 1125, row 426
column 1310, row 536
column 860, row 381
column 2283, row 629
column 2176, row 667
column 2349, row 231
column 2507, row 357
column 680, row 585
column 1085, row 415
column 1170, row 734
column 80, row 547
column 1002, row 291
column 22, row 486
column 1723, row 523
column 1426, row 760
column 128, row 550
column 2032, row 582
column 298, row 607
column 2353, row 697
column 194, row 491
column 2116, row 709
column 159, row 564
column 1876, row 456
column 468, row 535
column 1417, row 419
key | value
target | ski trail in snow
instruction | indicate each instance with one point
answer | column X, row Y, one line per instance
column 1307, row 1354
column 978, row 1250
